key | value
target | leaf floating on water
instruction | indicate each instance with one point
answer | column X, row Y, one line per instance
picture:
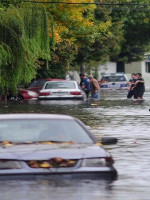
column 52, row 163
column 72, row 162
column 47, row 142
column 99, row 144
column 34, row 164
column 58, row 159
column 7, row 143
column 46, row 165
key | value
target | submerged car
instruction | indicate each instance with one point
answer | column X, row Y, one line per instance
column 61, row 90
column 49, row 144
column 114, row 81
column 27, row 94
column 32, row 91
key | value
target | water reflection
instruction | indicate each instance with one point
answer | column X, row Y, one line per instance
column 60, row 190
column 60, row 102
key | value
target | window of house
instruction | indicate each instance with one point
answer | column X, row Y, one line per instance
column 120, row 66
column 147, row 65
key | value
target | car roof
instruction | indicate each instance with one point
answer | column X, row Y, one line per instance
column 114, row 74
column 51, row 79
column 35, row 116
column 62, row 81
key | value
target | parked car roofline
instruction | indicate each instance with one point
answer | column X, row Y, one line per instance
column 35, row 116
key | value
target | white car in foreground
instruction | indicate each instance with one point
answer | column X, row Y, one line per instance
column 61, row 90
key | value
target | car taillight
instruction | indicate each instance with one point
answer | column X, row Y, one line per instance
column 75, row 93
column 44, row 93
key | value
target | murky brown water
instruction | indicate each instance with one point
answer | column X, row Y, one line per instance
column 127, row 120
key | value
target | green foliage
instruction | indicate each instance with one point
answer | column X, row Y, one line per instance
column 121, row 33
column 23, row 39
column 7, row 3
column 102, row 43
column 64, row 36
column 136, row 28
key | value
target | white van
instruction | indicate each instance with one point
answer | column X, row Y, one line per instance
column 114, row 81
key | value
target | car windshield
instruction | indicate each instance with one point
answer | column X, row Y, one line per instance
column 38, row 83
column 60, row 85
column 28, row 130
column 113, row 78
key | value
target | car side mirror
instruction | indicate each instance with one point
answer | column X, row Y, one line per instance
column 109, row 140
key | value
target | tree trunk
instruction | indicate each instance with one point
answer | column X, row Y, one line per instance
column 82, row 68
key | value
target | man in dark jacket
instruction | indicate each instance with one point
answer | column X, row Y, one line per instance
column 85, row 84
column 140, row 86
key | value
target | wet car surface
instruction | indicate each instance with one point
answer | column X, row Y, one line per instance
column 40, row 144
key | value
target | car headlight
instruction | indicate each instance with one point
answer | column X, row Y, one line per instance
column 95, row 162
column 4, row 164
column 31, row 93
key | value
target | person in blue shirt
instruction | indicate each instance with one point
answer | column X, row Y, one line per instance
column 85, row 84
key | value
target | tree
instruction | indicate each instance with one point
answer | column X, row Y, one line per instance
column 24, row 37
column 70, row 27
column 79, row 35
column 135, row 32
column 103, row 42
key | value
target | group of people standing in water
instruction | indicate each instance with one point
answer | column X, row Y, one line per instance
column 136, row 86
column 90, row 85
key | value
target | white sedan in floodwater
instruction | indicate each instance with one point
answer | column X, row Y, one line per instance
column 50, row 145
column 63, row 89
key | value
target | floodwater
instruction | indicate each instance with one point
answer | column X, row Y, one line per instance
column 114, row 115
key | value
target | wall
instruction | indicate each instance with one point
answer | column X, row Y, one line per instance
column 134, row 67
column 108, row 67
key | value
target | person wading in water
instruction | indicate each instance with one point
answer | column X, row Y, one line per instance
column 95, row 88
column 132, row 90
column 139, row 86
column 85, row 84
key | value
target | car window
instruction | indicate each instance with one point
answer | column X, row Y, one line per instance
column 33, row 84
column 43, row 130
column 60, row 85
column 114, row 78
column 41, row 83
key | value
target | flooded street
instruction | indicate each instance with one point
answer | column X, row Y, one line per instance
column 114, row 115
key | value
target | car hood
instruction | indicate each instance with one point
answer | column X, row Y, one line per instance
column 47, row 151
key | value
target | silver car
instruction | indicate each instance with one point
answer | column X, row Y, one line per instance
column 50, row 145
column 114, row 81
column 61, row 90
